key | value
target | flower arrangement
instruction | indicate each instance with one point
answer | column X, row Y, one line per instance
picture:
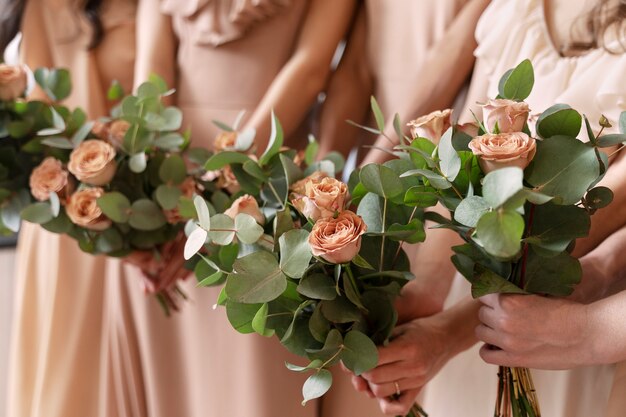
column 320, row 264
column 121, row 186
column 519, row 200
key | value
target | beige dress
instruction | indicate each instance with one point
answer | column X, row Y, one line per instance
column 193, row 363
column 509, row 32
column 56, row 339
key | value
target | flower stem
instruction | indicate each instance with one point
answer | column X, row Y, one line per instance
column 382, row 245
column 273, row 190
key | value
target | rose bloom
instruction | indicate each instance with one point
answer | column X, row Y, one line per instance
column 93, row 162
column 228, row 181
column 13, row 82
column 515, row 149
column 83, row 210
column 337, row 240
column 225, row 140
column 470, row 129
column 509, row 115
column 432, row 126
column 48, row 177
column 321, row 198
column 112, row 132
column 299, row 187
column 248, row 205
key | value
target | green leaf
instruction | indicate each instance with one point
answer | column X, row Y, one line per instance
column 221, row 159
column 222, row 231
column 173, row 170
column 622, row 122
column 607, row 141
column 435, row 180
column 421, row 196
column 275, row 142
column 381, row 180
column 340, row 310
column 167, row 196
column 360, row 353
column 500, row 233
column 79, row 136
column 450, row 163
column 378, row 114
column 313, row 365
column 109, row 241
column 412, row 232
column 554, row 276
column 598, row 197
column 115, row 91
column 204, row 215
column 173, row 118
column 56, row 83
column 282, row 224
column 247, row 229
column 260, row 320
column 169, row 141
column 316, row 385
column 518, row 83
column 564, row 168
column 421, row 151
column 501, row 185
column 310, row 153
column 337, row 160
column 252, row 168
column 295, row 252
column 488, row 282
column 58, row 142
column 318, row 287
column 555, row 226
column 115, row 206
column 195, row 242
column 470, row 210
column 37, row 213
column 371, row 210
column 559, row 119
column 257, row 279
column 292, row 172
column 55, row 203
column 145, row 215
column 241, row 315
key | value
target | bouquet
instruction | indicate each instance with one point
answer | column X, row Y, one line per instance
column 121, row 186
column 321, row 267
column 518, row 200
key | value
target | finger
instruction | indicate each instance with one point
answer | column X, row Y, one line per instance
column 490, row 336
column 397, row 371
column 489, row 317
column 389, row 389
column 361, row 385
column 398, row 406
column 502, row 357
column 393, row 352
column 491, row 300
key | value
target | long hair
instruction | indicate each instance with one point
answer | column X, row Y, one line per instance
column 607, row 17
column 11, row 12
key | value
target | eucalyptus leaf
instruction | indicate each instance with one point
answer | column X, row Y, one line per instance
column 450, row 163
column 247, row 229
column 55, row 203
column 488, row 282
column 138, row 162
column 378, row 114
column 38, row 213
column 173, row 170
column 167, row 196
column 318, row 287
column 470, row 210
column 316, row 385
column 360, row 353
column 241, row 315
column 559, row 119
column 518, row 83
column 275, row 142
column 195, row 242
column 501, row 185
column 598, row 197
column 221, row 159
column 260, row 320
column 145, row 215
column 202, row 210
column 554, row 276
column 222, row 231
column 115, row 206
column 381, row 180
column 295, row 252
column 435, row 179
column 500, row 232
column 257, row 279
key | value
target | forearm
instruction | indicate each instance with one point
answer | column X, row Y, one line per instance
column 607, row 333
column 460, row 321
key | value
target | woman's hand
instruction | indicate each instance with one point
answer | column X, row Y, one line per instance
column 415, row 354
column 535, row 332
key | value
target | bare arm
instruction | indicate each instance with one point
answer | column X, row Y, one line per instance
column 348, row 94
column 305, row 74
column 445, row 71
column 35, row 52
column 155, row 44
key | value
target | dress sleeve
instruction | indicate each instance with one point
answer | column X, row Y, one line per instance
column 611, row 96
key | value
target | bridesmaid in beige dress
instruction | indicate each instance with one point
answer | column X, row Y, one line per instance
column 592, row 82
column 56, row 340
column 231, row 55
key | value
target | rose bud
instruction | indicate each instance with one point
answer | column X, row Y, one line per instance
column 299, row 187
column 93, row 162
column 13, row 82
column 48, row 177
column 515, row 149
column 509, row 115
column 321, row 198
column 82, row 209
column 432, row 126
column 337, row 240
column 117, row 132
column 225, row 140
column 248, row 205
column 470, row 129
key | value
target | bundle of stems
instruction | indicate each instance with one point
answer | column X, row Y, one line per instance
column 516, row 394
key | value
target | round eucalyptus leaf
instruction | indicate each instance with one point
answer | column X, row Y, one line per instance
column 138, row 162
column 500, row 233
column 381, row 180
column 559, row 119
column 470, row 210
column 173, row 170
column 37, row 213
column 318, row 287
column 295, row 252
column 115, row 206
column 222, row 231
column 169, row 141
column 167, row 196
column 195, row 242
column 257, row 279
column 360, row 353
column 173, row 118
column 316, row 385
column 247, row 229
column 599, row 197
column 146, row 215
column 203, row 212
column 501, row 185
